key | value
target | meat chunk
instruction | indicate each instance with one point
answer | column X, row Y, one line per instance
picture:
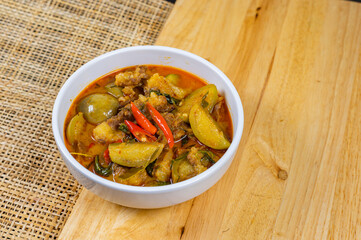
column 127, row 177
column 128, row 91
column 129, row 94
column 124, row 114
column 137, row 179
column 162, row 167
column 157, row 82
column 118, row 170
column 194, row 159
column 170, row 119
column 132, row 78
column 178, row 127
column 160, row 103
column 140, row 104
column 104, row 133
column 124, row 100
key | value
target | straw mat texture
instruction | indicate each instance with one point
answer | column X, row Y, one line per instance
column 41, row 44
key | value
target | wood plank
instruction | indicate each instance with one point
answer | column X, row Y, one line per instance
column 335, row 64
column 299, row 128
column 94, row 218
column 295, row 66
column 345, row 219
column 248, row 67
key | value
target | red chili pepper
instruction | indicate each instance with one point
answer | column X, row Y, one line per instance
column 162, row 124
column 142, row 120
column 91, row 145
column 106, row 156
column 119, row 141
column 139, row 133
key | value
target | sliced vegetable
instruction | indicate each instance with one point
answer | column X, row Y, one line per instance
column 134, row 154
column 98, row 107
column 131, row 173
column 114, row 90
column 206, row 129
column 204, row 103
column 182, row 170
column 173, row 78
column 97, row 149
column 137, row 179
column 75, row 128
column 160, row 183
column 142, row 120
column 139, row 133
column 157, row 117
column 100, row 170
column 81, row 154
column 207, row 94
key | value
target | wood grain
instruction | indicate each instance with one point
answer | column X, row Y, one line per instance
column 297, row 68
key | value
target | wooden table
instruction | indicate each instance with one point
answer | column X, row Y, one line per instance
column 297, row 174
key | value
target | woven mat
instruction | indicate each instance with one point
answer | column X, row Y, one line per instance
column 41, row 44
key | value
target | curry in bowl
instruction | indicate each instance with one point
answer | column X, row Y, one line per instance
column 148, row 125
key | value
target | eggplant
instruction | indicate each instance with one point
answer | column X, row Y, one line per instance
column 173, row 78
column 182, row 170
column 75, row 127
column 138, row 154
column 114, row 90
column 98, row 107
column 206, row 129
column 207, row 95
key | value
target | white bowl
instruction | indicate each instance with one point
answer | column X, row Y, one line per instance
column 146, row 197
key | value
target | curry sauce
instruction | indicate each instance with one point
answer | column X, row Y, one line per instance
column 148, row 125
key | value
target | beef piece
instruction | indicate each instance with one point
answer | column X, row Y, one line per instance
column 160, row 103
column 130, row 94
column 178, row 127
column 162, row 167
column 128, row 91
column 180, row 151
column 194, row 159
column 118, row 170
column 132, row 78
column 157, row 82
column 170, row 119
column 140, row 104
column 104, row 133
column 123, row 101
column 124, row 114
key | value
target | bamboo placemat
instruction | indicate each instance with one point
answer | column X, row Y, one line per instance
column 41, row 44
